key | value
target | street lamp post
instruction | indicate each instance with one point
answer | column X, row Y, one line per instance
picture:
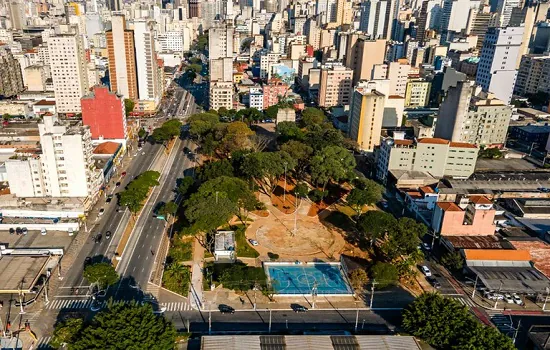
column 545, row 299
column 314, row 294
column 255, row 289
column 269, row 321
column 372, row 293
column 356, row 316
column 209, row 318
column 496, row 296
column 284, row 189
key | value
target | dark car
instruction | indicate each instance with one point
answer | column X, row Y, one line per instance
column 12, row 231
column 298, row 308
column 108, row 234
column 117, row 184
column 18, row 230
column 87, row 261
column 226, row 309
column 109, row 198
column 186, row 150
column 98, row 238
column 433, row 282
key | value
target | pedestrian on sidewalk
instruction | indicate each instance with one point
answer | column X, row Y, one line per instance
column 242, row 301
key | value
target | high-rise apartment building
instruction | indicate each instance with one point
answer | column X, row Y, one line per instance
column 17, row 14
column 220, row 42
column 533, row 75
column 68, row 69
column 103, row 111
column 479, row 21
column 373, row 15
column 65, row 167
column 11, row 79
column 396, row 72
column 454, row 16
column 496, row 70
column 417, row 93
column 194, row 8
column 335, row 86
column 362, row 54
column 366, row 114
column 122, row 58
column 469, row 116
column 146, row 63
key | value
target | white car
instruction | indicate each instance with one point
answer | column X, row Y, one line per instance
column 253, row 242
column 101, row 212
column 508, row 298
column 43, row 232
column 426, row 246
column 517, row 299
column 426, row 271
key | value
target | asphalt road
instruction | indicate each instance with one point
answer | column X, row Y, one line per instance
column 150, row 234
column 286, row 320
column 110, row 220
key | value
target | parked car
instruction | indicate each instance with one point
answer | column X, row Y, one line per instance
column 123, row 174
column 101, row 212
column 98, row 238
column 108, row 234
column 298, row 308
column 87, row 261
column 253, row 242
column 18, row 230
column 517, row 299
column 426, row 271
column 117, row 184
column 426, row 246
column 12, row 231
column 109, row 198
column 43, row 232
column 508, row 298
column 24, row 230
column 226, row 309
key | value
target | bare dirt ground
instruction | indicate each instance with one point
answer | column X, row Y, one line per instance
column 311, row 240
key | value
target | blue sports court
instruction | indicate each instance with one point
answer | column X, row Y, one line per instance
column 300, row 279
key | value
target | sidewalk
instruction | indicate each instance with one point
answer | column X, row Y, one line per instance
column 195, row 290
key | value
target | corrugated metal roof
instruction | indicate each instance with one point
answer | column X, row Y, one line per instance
column 308, row 342
column 231, row 342
column 381, row 342
column 497, row 254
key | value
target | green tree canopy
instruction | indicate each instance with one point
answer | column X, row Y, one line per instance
column 202, row 123
column 207, row 213
column 168, row 209
column 374, row 224
column 331, row 163
column 167, row 131
column 184, row 184
column 195, row 68
column 301, row 153
column 126, row 327
column 287, row 131
column 321, row 136
column 384, row 274
column 102, row 273
column 366, row 192
column 446, row 324
column 66, row 332
column 271, row 112
column 301, row 190
column 453, row 261
column 403, row 239
column 136, row 192
column 358, row 278
column 237, row 136
column 234, row 189
column 212, row 170
column 313, row 116
column 249, row 115
column 128, row 106
column 267, row 167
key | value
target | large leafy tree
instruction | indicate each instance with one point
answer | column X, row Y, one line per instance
column 136, row 192
column 366, row 192
column 212, row 170
column 207, row 212
column 331, row 163
column 287, row 131
column 403, row 239
column 167, row 131
column 267, row 167
column 235, row 190
column 237, row 137
column 301, row 153
column 313, row 116
column 184, row 185
column 445, row 323
column 126, row 327
column 168, row 209
column 249, row 115
column 66, row 332
column 373, row 225
column 321, row 136
column 104, row 274
column 202, row 123
column 128, row 106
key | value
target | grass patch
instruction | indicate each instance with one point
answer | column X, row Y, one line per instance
column 244, row 250
column 237, row 276
column 180, row 250
column 176, row 278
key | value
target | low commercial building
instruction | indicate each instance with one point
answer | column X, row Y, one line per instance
column 435, row 156
column 472, row 216
column 224, row 247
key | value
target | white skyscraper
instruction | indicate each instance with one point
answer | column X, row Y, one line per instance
column 454, row 16
column 146, row 62
column 504, row 10
column 373, row 16
column 68, row 69
column 220, row 43
column 496, row 71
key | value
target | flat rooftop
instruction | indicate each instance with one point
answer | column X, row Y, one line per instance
column 20, row 272
column 515, row 279
column 510, row 164
column 478, row 242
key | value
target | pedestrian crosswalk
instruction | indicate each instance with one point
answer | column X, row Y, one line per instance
column 463, row 300
column 43, row 343
column 84, row 304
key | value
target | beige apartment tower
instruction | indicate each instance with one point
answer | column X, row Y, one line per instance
column 122, row 59
column 335, row 86
column 363, row 54
column 366, row 115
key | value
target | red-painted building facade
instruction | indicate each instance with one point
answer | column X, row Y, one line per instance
column 104, row 112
